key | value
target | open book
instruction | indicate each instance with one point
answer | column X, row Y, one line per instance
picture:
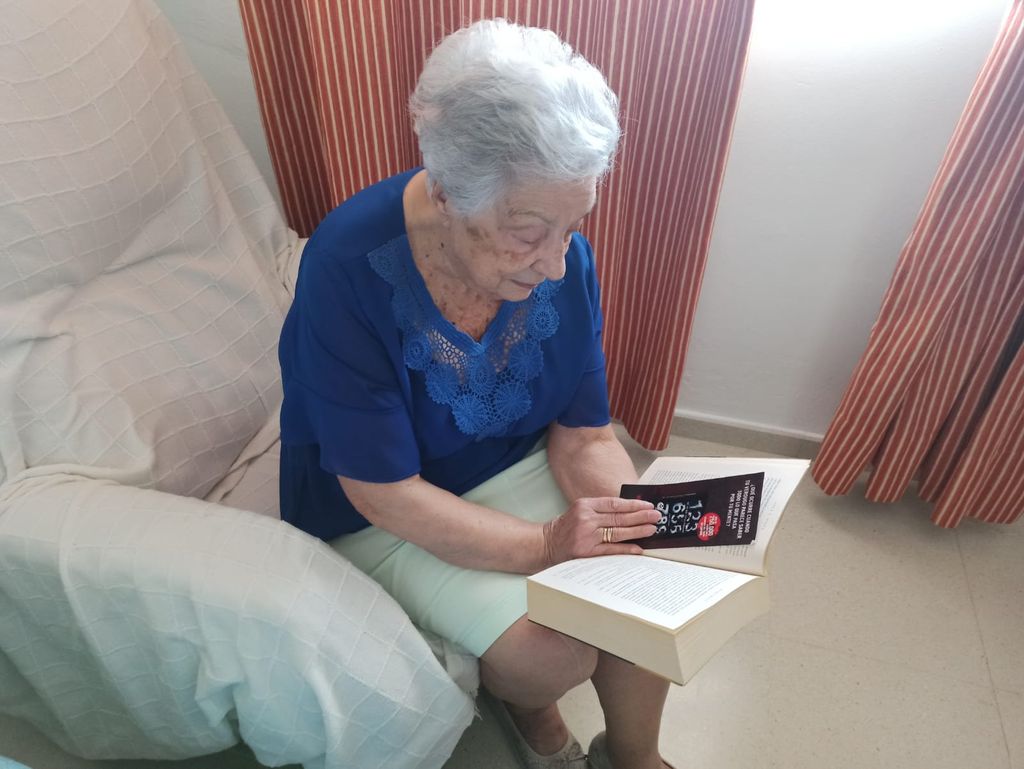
column 671, row 609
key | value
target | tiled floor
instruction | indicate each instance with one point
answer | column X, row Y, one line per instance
column 891, row 643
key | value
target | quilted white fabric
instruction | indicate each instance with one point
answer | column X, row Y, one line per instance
column 139, row 623
column 251, row 482
column 139, row 303
column 144, row 275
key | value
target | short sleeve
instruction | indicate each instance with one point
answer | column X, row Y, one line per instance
column 341, row 386
column 589, row 404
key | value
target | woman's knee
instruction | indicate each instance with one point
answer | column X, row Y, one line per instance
column 532, row 666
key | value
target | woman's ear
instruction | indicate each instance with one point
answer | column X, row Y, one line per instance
column 440, row 199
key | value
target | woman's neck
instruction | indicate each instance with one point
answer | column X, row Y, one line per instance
column 443, row 272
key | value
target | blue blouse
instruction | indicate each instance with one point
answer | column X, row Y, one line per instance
column 379, row 386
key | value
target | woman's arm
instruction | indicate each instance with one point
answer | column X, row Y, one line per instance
column 588, row 461
column 478, row 537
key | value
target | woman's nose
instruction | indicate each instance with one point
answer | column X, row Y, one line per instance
column 552, row 263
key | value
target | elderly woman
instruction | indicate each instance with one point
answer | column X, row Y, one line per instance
column 445, row 421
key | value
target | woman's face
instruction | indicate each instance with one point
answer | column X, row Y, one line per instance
column 505, row 252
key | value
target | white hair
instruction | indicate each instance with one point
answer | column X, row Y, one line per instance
column 498, row 103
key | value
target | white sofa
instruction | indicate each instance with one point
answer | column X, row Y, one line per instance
column 152, row 605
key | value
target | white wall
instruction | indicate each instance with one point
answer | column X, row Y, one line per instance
column 846, row 110
column 845, row 113
column 211, row 31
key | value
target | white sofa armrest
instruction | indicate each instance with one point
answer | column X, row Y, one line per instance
column 288, row 262
column 135, row 623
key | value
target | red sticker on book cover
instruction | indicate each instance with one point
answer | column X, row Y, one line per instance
column 708, row 526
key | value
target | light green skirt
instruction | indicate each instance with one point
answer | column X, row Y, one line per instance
column 468, row 607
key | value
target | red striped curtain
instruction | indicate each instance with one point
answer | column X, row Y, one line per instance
column 939, row 393
column 333, row 77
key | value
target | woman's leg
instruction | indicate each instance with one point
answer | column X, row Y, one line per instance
column 632, row 700
column 529, row 668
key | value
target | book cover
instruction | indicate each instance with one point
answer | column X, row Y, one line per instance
column 702, row 513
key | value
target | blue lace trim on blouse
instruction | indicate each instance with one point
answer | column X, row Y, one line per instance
column 483, row 383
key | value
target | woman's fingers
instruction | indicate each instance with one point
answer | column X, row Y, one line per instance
column 626, row 533
column 599, row 526
column 615, row 511
column 621, row 520
column 629, row 520
column 619, row 550
column 616, row 504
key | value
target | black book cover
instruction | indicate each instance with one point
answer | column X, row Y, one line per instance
column 711, row 512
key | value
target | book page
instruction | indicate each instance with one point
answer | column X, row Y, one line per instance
column 660, row 592
column 781, row 477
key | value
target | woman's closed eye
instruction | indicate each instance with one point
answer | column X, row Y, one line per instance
column 530, row 238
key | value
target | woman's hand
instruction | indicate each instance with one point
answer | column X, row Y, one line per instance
column 598, row 526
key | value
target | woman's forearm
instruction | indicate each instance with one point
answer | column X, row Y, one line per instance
column 588, row 461
column 462, row 533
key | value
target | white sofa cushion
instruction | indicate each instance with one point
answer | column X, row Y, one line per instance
column 140, row 305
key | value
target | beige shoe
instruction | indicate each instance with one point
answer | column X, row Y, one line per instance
column 571, row 755
column 597, row 755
